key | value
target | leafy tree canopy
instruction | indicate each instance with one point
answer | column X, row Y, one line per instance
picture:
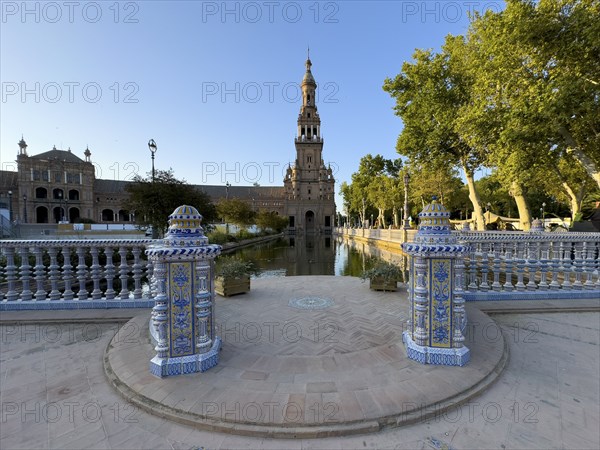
column 153, row 202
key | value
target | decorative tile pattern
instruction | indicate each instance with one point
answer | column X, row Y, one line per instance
column 432, row 337
column 440, row 324
column 310, row 303
column 183, row 313
column 181, row 288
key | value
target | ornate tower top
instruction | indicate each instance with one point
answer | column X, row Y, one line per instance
column 309, row 123
column 434, row 233
column 22, row 147
column 87, row 154
column 185, row 229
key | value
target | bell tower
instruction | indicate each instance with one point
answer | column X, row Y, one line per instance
column 309, row 184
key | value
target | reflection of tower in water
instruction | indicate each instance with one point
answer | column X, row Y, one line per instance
column 310, row 255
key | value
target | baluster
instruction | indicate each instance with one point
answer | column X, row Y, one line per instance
column 150, row 278
column 54, row 273
column 578, row 265
column 508, row 268
column 531, row 265
column 159, row 312
column 81, row 274
column 67, row 273
column 96, row 273
column 484, row 285
column 555, row 264
column 137, row 273
column 26, row 293
column 420, row 305
column 109, row 273
column 589, row 250
column 11, row 274
column 544, row 259
column 520, row 261
column 565, row 250
column 203, row 309
column 473, row 268
column 496, row 286
column 459, row 304
column 123, row 270
column 40, row 273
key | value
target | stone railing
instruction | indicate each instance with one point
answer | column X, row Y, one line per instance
column 49, row 274
column 513, row 265
column 505, row 265
column 398, row 236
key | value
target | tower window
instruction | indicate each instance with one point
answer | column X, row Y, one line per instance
column 308, row 98
column 309, row 115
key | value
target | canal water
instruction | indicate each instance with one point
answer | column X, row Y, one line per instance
column 316, row 255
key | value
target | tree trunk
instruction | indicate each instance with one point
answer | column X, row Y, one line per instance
column 586, row 162
column 381, row 218
column 395, row 214
column 522, row 206
column 474, row 197
column 574, row 199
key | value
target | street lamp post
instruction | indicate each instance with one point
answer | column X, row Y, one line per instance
column 10, row 213
column 25, row 208
column 153, row 148
column 543, row 210
column 406, row 224
column 227, row 185
column 372, row 221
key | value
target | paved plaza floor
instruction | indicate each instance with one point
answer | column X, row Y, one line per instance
column 55, row 394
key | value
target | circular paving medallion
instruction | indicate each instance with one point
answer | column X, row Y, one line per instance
column 310, row 303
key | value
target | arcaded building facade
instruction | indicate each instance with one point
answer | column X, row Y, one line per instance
column 59, row 186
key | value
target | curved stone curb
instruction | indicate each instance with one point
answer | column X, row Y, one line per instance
column 317, row 431
column 371, row 377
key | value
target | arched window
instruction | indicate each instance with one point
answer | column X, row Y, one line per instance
column 124, row 215
column 108, row 215
column 58, row 194
column 73, row 214
column 41, row 214
column 73, row 194
column 41, row 193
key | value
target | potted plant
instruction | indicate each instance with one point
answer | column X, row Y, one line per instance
column 233, row 276
column 383, row 276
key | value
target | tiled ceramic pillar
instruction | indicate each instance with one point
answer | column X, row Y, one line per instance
column 435, row 293
column 183, row 315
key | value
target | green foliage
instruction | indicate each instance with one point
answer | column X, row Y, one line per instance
column 235, row 211
column 270, row 220
column 218, row 237
column 244, row 234
column 230, row 267
column 153, row 202
column 383, row 269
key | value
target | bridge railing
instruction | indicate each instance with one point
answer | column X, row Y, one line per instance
column 82, row 273
column 504, row 264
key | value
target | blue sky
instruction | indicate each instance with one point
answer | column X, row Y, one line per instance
column 214, row 83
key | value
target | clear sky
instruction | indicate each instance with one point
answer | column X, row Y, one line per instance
column 214, row 83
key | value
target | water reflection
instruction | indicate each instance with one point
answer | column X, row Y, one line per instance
column 317, row 255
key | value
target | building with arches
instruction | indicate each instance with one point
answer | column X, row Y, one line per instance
column 57, row 186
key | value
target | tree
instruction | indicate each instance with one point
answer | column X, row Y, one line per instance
column 271, row 220
column 153, row 202
column 235, row 211
column 536, row 108
column 429, row 94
